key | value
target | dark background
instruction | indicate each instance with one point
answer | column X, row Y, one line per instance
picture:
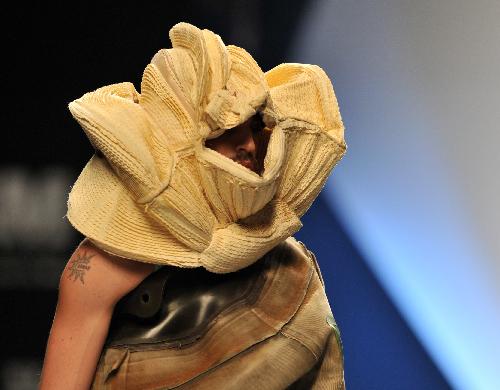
column 56, row 53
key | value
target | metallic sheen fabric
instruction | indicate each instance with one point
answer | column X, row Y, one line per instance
column 175, row 305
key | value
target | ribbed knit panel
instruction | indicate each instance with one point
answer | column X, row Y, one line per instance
column 118, row 127
column 165, row 108
column 219, row 62
column 232, row 197
column 311, row 155
column 100, row 209
column 240, row 244
column 183, row 209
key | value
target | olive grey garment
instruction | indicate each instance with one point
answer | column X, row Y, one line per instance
column 268, row 326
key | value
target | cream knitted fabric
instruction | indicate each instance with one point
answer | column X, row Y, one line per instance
column 159, row 195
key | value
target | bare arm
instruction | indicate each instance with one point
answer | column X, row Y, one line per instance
column 91, row 284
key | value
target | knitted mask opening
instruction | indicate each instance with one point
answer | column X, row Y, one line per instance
column 245, row 144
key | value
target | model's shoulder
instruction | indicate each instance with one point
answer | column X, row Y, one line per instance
column 297, row 245
column 300, row 247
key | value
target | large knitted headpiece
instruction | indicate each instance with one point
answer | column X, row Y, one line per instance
column 156, row 193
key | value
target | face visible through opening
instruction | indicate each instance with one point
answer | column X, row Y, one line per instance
column 246, row 144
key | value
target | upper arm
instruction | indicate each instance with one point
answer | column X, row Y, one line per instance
column 92, row 282
column 94, row 279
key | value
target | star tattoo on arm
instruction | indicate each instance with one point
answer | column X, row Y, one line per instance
column 79, row 266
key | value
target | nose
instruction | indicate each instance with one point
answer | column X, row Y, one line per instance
column 246, row 151
column 247, row 144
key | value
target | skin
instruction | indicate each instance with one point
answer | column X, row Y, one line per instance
column 91, row 284
column 93, row 281
column 245, row 144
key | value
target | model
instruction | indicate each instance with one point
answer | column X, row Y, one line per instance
column 189, row 276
